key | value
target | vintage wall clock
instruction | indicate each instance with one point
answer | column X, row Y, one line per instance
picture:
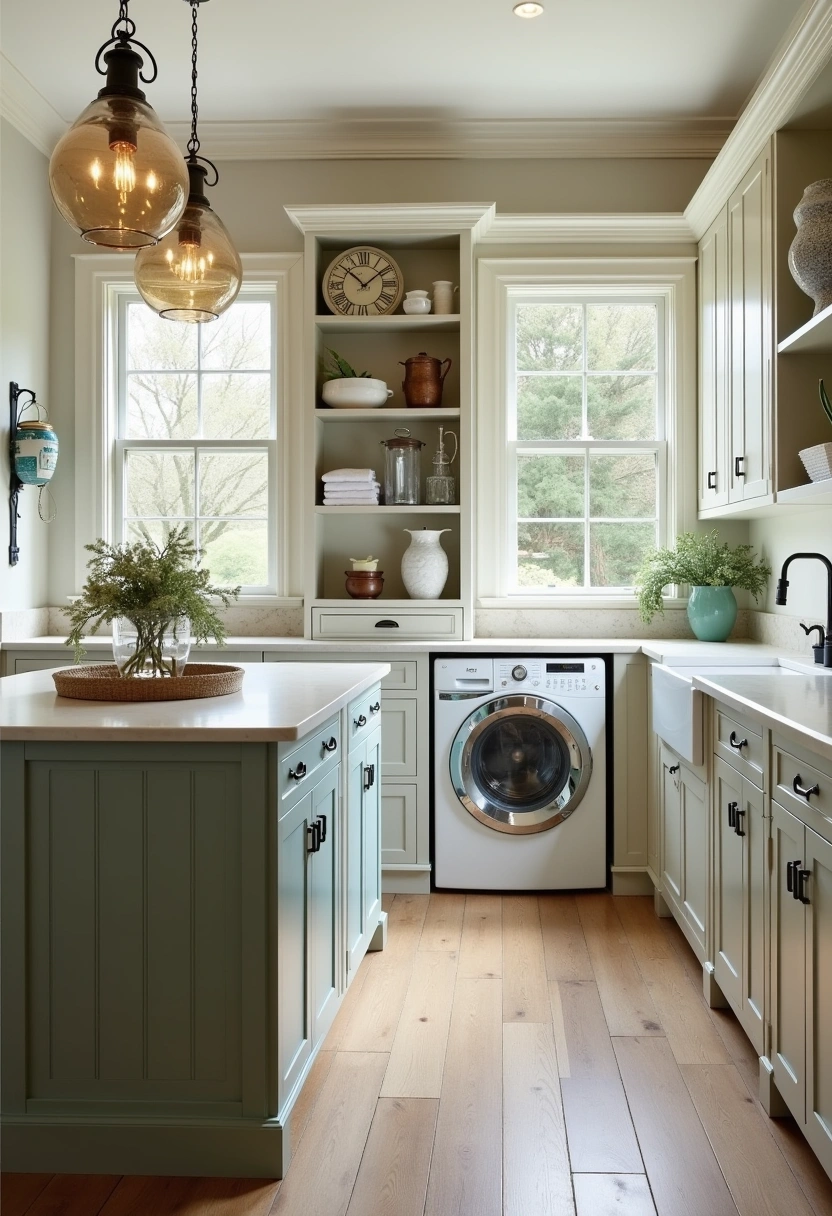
column 363, row 282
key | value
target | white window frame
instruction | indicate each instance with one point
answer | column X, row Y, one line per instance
column 504, row 282
column 102, row 281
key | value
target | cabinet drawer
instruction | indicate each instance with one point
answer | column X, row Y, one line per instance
column 398, row 737
column 403, row 624
column 402, row 675
column 739, row 741
column 398, row 823
column 792, row 773
column 307, row 760
column 363, row 715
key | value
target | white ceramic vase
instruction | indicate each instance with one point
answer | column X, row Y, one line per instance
column 810, row 255
column 425, row 564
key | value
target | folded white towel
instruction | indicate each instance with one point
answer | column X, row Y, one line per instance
column 359, row 475
column 350, row 487
column 353, row 500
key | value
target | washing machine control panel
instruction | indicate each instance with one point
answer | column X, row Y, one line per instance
column 564, row 677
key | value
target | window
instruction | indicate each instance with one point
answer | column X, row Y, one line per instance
column 196, row 435
column 586, row 406
column 586, row 441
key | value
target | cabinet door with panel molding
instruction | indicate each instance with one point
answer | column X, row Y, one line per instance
column 714, row 395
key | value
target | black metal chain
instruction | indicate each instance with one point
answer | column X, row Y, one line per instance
column 193, row 142
column 123, row 27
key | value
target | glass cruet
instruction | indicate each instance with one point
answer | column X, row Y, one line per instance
column 440, row 487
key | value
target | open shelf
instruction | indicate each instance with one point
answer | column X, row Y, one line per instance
column 331, row 323
column 388, row 603
column 382, row 510
column 383, row 413
column 815, row 494
column 814, row 337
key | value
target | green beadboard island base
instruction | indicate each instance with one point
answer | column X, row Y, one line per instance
column 180, row 921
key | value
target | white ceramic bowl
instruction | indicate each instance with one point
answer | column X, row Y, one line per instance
column 416, row 305
column 355, row 393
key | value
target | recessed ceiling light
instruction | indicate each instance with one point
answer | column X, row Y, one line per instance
column 528, row 8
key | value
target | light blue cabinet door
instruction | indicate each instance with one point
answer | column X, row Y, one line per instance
column 371, row 815
column 354, row 867
column 323, row 905
column 294, row 1028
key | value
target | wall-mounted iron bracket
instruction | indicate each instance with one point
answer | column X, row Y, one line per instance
column 15, row 484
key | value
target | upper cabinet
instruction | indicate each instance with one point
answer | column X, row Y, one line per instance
column 757, row 406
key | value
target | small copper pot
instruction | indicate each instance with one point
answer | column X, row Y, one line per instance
column 424, row 380
column 364, row 584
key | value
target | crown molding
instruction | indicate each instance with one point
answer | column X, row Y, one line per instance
column 420, row 139
column 393, row 219
column 24, row 107
column 641, row 228
column 804, row 51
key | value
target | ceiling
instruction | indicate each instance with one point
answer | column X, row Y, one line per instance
column 394, row 59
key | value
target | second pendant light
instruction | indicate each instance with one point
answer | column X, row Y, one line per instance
column 195, row 272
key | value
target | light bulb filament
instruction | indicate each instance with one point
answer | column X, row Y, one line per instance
column 124, row 174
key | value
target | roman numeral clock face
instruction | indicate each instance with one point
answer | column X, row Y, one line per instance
column 363, row 282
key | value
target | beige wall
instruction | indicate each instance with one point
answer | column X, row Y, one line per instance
column 25, row 220
column 809, row 531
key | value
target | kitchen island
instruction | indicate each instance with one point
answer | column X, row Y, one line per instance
column 187, row 889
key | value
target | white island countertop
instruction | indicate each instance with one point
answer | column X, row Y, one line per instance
column 278, row 701
column 797, row 703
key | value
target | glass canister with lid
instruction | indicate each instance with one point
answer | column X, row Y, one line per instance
column 402, row 472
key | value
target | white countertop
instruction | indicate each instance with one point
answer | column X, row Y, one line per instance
column 277, row 645
column 691, row 653
column 799, row 704
column 278, row 701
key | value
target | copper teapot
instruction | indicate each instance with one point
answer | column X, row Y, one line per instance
column 423, row 380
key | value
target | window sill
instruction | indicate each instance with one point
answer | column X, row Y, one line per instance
column 615, row 603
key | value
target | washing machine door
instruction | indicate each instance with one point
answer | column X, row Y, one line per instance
column 520, row 764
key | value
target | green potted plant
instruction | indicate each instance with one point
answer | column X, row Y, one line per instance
column 157, row 600
column 345, row 389
column 711, row 570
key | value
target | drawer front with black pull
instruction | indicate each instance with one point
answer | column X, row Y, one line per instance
column 400, row 625
column 740, row 742
column 363, row 715
column 300, row 767
column 803, row 788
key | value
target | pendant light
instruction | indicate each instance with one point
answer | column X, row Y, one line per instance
column 116, row 176
column 194, row 274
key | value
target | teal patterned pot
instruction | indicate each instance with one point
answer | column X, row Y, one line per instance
column 712, row 612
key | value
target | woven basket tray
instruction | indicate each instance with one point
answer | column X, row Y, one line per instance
column 101, row 682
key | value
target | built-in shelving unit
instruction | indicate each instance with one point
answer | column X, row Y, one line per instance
column 814, row 337
column 428, row 243
column 815, row 494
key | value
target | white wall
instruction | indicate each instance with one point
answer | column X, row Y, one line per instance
column 802, row 532
column 25, row 224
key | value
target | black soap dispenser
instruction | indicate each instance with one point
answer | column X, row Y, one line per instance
column 817, row 650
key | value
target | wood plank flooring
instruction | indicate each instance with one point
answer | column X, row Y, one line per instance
column 509, row 1056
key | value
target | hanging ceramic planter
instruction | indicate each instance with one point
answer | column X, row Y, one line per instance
column 35, row 452
column 425, row 564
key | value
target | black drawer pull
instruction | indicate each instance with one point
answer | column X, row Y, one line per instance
column 375, row 708
column 801, row 876
column 791, row 866
column 736, row 743
column 315, row 829
column 738, row 472
column 331, row 746
column 804, row 793
column 386, row 624
column 322, row 828
column 712, row 480
column 738, row 814
column 369, row 776
column 674, row 768
column 298, row 774
column 733, row 807
column 359, row 721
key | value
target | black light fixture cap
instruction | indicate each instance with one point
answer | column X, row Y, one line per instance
column 197, row 174
column 123, row 67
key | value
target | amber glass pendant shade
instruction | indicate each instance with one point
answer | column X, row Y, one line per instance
column 195, row 273
column 116, row 176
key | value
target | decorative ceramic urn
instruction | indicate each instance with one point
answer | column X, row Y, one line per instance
column 35, row 452
column 425, row 564
column 810, row 255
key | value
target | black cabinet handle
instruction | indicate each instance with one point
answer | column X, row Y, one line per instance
column 315, row 829
column 804, row 793
column 736, row 743
column 738, row 472
column 738, row 814
column 359, row 721
column 674, row 768
column 298, row 774
column 322, row 828
column 386, row 624
column 801, row 876
column 791, row 866
column 331, row 746
column 712, row 480
column 733, row 807
column 375, row 708
column 369, row 776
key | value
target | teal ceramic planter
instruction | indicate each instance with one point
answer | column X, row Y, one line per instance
column 712, row 612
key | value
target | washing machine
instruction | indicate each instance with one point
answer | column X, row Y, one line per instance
column 520, row 789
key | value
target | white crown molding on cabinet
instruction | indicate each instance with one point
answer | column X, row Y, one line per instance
column 392, row 219
column 600, row 229
column 804, row 51
column 29, row 112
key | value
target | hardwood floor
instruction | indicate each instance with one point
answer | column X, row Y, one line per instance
column 514, row 1056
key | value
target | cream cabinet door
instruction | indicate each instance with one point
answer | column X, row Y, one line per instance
column 671, row 805
column 728, row 885
column 398, row 733
column 817, row 888
column 750, row 332
column 755, row 864
column 713, row 365
column 788, row 963
column 398, row 822
column 695, row 854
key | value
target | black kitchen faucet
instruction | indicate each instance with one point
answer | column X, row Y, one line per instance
column 783, row 586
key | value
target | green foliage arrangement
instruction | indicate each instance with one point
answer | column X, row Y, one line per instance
column 336, row 368
column 151, row 587
column 824, row 400
column 700, row 561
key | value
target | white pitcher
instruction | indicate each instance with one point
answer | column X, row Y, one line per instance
column 425, row 564
column 443, row 297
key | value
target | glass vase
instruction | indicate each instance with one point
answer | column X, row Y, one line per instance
column 146, row 646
